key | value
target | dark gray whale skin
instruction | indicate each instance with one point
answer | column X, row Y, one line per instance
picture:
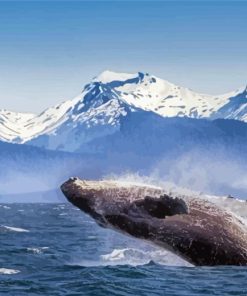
column 193, row 228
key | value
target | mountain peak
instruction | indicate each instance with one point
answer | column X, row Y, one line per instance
column 110, row 76
column 110, row 94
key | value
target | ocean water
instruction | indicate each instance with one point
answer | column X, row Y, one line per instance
column 55, row 249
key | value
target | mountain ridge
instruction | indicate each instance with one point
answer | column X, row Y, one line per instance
column 109, row 97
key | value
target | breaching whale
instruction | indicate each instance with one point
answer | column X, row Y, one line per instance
column 195, row 229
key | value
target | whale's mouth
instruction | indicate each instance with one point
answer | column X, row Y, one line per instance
column 162, row 207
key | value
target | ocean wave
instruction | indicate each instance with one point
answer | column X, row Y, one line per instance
column 38, row 250
column 59, row 207
column 136, row 257
column 8, row 271
column 14, row 229
column 5, row 207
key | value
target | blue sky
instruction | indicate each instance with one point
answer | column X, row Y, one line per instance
column 50, row 49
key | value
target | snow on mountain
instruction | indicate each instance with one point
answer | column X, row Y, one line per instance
column 95, row 113
column 151, row 93
column 109, row 76
column 12, row 123
column 170, row 100
column 235, row 108
column 98, row 110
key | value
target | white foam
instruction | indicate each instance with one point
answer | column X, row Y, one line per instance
column 136, row 257
column 38, row 250
column 8, row 271
column 15, row 229
column 234, row 205
column 5, row 207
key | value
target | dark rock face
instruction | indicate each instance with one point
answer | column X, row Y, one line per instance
column 193, row 228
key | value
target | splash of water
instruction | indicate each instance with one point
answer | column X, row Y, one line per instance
column 234, row 205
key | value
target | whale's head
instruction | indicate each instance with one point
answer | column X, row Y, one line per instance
column 85, row 196
column 122, row 205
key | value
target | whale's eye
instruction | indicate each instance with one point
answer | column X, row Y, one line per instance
column 163, row 206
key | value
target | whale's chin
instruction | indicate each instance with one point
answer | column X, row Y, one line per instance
column 193, row 228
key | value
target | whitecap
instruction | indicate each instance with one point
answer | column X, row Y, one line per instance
column 38, row 250
column 5, row 207
column 8, row 271
column 136, row 257
column 89, row 222
column 14, row 229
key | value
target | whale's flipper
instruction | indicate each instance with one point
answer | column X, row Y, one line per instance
column 163, row 206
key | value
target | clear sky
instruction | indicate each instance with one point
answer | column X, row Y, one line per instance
column 49, row 50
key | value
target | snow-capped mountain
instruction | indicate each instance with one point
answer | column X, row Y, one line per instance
column 105, row 101
column 160, row 96
column 235, row 108
column 12, row 124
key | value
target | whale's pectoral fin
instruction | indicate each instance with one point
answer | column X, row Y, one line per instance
column 142, row 217
column 138, row 227
column 162, row 207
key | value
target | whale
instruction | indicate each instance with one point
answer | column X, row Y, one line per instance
column 193, row 228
